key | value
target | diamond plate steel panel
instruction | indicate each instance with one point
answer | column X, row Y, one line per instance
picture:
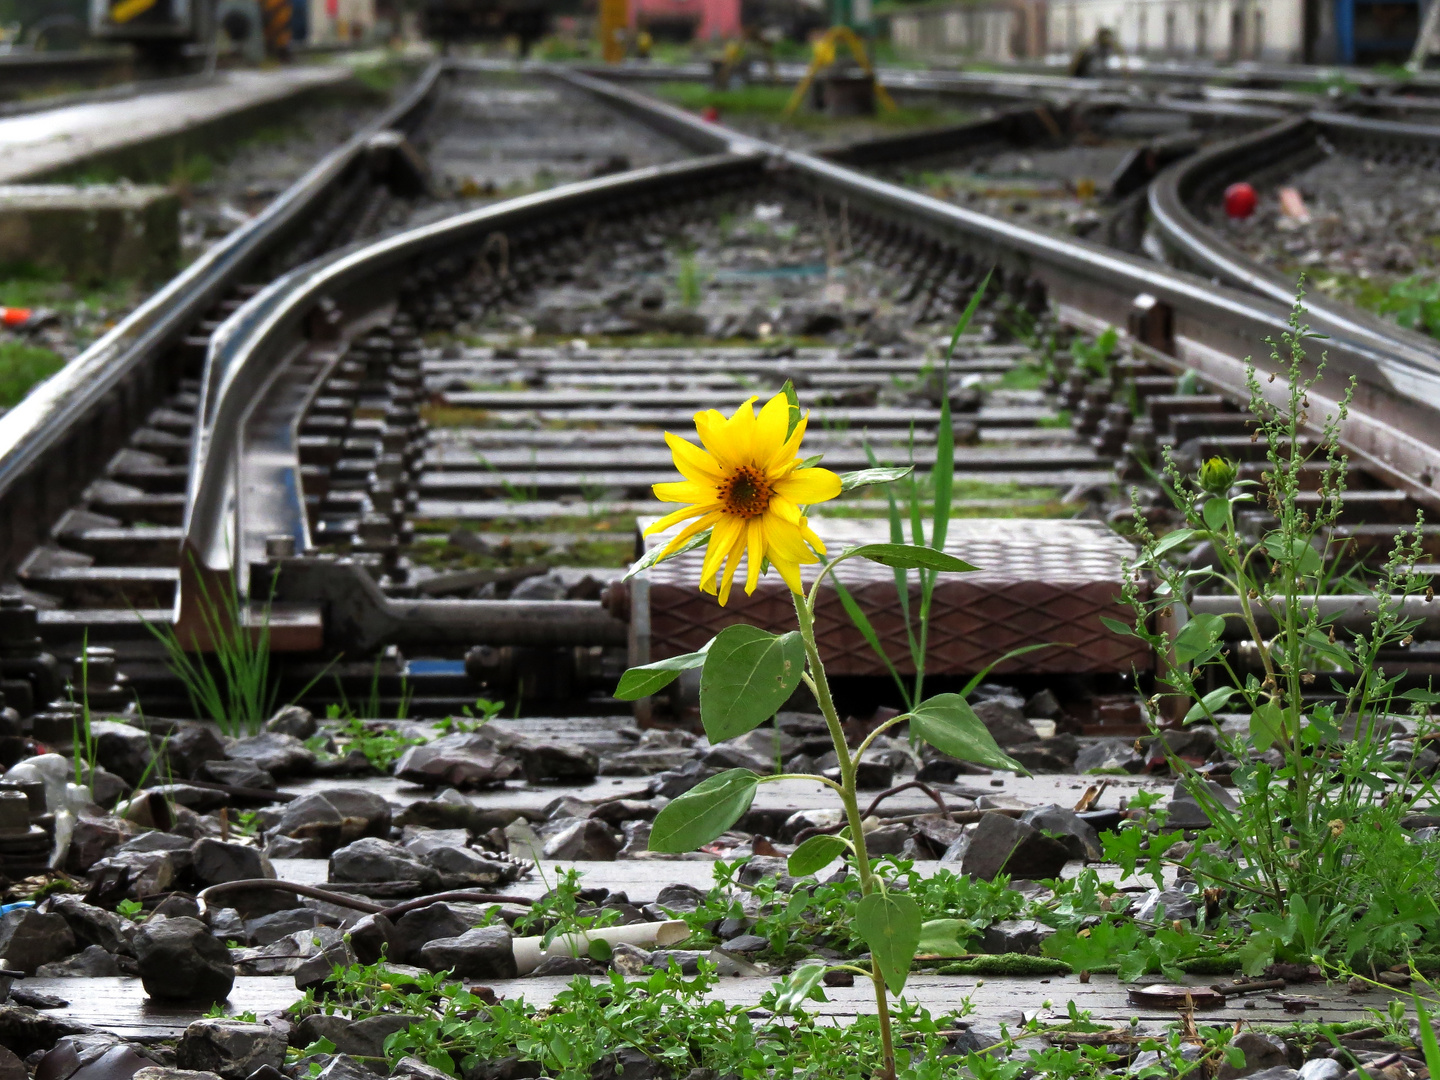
column 1039, row 581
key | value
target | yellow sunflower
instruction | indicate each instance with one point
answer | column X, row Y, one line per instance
column 747, row 486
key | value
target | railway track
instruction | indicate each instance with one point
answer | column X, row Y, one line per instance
column 423, row 450
column 407, row 488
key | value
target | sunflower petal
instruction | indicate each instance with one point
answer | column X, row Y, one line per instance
column 770, row 429
column 685, row 491
column 787, row 454
column 727, row 529
column 675, row 518
column 710, row 426
column 732, row 563
column 809, row 486
column 693, row 462
column 755, row 552
column 790, row 572
column 686, row 533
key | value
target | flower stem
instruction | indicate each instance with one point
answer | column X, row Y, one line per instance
column 821, row 685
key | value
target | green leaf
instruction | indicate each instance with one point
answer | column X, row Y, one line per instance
column 815, row 854
column 867, row 631
column 1216, row 512
column 1210, row 703
column 748, row 675
column 864, row 477
column 1427, row 1037
column 1197, row 637
column 794, row 989
column 890, row 924
column 1267, row 726
column 1171, row 540
column 1115, row 626
column 942, row 476
column 909, row 557
column 600, row 950
column 651, row 557
column 942, row 937
column 1422, row 697
column 646, row 679
column 1302, row 556
column 789, row 391
column 813, row 460
column 947, row 723
column 704, row 812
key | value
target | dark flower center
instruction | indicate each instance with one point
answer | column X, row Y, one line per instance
column 746, row 493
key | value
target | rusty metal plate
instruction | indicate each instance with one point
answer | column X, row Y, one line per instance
column 1039, row 581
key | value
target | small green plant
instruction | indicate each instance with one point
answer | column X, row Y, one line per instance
column 22, row 366
column 558, row 913
column 130, row 908
column 1094, row 357
column 747, row 674
column 486, row 709
column 687, row 281
column 241, row 697
column 1313, row 854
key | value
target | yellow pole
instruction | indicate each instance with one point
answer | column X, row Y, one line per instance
column 614, row 21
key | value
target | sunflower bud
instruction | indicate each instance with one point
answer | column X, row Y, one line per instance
column 1216, row 475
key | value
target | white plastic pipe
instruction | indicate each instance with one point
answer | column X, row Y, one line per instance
column 529, row 955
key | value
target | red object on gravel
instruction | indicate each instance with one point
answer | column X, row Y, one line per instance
column 711, row 114
column 1240, row 200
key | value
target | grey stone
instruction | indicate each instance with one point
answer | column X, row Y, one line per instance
column 629, row 960
column 463, row 867
column 179, row 960
column 1005, row 720
column 363, row 1038
column 1178, row 905
column 372, row 859
column 106, row 789
column 94, row 838
column 314, row 970
column 160, row 1072
column 276, row 753
column 565, row 964
column 1185, row 812
column 1043, row 706
column 214, row 862
column 370, row 937
column 416, row 928
column 460, row 761
column 747, row 943
column 362, row 813
column 886, row 840
column 1109, row 756
column 687, row 959
column 647, row 761
column 231, row 1048
column 345, row 1067
column 25, row 1030
column 90, row 962
column 314, row 817
column 412, row 1068
column 1322, row 1068
column 482, row 953
column 225, row 923
column 628, row 1063
column 1261, row 1052
column 1053, row 755
column 680, row 898
column 268, row 929
column 244, row 774
column 1078, row 835
column 285, row 847
column 29, row 938
column 190, row 746
column 1001, row 844
column 11, row 1067
column 126, row 751
column 557, row 761
column 730, row 755
column 586, row 838
column 293, row 720
column 637, row 839
column 284, row 955
column 1014, row 936
column 202, row 800
column 675, row 782
column 92, row 925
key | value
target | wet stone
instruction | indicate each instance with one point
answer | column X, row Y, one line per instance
column 243, row 774
column 586, row 839
column 90, row 962
column 160, row 1072
column 1002, row 844
column 1078, row 835
column 1109, row 756
column 566, row 965
column 482, row 953
column 30, row 938
column 179, row 960
column 1262, row 1052
column 460, row 761
column 271, row 928
column 370, row 859
column 416, row 928
column 294, row 721
column 1177, row 904
column 277, row 753
column 680, row 898
column 92, row 925
column 231, row 1048
column 94, row 838
column 412, row 1068
column 557, row 761
column 214, row 862
column 1005, row 719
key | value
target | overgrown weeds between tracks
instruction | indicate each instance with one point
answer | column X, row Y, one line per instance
column 1306, row 847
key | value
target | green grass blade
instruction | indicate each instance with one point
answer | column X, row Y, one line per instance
column 977, row 679
column 944, row 472
column 897, row 536
column 867, row 631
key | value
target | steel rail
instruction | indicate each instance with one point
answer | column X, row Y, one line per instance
column 1213, row 329
column 245, row 481
column 58, row 438
column 1281, row 149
